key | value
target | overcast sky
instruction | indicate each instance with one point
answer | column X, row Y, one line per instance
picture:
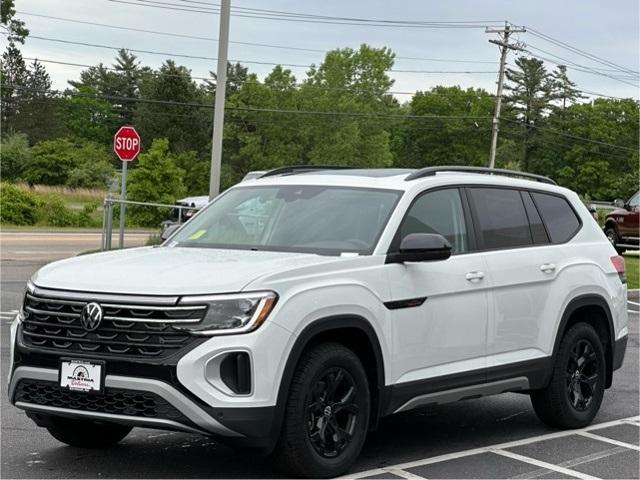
column 607, row 29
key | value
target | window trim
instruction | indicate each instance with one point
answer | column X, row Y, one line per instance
column 466, row 187
column 554, row 194
column 468, row 224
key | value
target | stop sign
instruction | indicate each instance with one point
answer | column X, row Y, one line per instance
column 126, row 143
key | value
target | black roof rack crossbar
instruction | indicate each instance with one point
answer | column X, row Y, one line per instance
column 292, row 170
column 431, row 171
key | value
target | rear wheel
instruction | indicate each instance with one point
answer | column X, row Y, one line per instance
column 86, row 434
column 573, row 397
column 327, row 414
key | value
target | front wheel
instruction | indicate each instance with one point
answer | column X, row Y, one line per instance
column 327, row 414
column 574, row 394
column 85, row 433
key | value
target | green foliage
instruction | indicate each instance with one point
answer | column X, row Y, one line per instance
column 546, row 126
column 90, row 118
column 15, row 155
column 425, row 142
column 196, row 172
column 156, row 178
column 75, row 163
column 17, row 206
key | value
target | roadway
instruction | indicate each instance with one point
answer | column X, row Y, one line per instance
column 496, row 437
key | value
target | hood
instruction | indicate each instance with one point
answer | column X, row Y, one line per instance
column 168, row 271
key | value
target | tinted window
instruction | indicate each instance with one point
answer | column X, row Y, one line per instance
column 560, row 219
column 501, row 217
column 535, row 222
column 438, row 212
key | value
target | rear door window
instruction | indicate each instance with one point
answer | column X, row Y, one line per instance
column 561, row 220
column 501, row 219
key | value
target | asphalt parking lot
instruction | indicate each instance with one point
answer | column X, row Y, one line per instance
column 496, row 437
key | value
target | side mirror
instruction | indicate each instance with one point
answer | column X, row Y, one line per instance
column 167, row 232
column 421, row 247
column 619, row 203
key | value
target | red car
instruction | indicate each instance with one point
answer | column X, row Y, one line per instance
column 622, row 224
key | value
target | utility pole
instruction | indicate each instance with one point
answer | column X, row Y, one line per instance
column 221, row 88
column 505, row 46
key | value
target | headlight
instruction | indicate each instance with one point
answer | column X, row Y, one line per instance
column 229, row 314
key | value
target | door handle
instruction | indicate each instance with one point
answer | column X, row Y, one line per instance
column 474, row 276
column 547, row 267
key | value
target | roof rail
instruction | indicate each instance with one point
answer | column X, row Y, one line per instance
column 431, row 171
column 293, row 169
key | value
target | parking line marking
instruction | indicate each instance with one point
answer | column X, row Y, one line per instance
column 541, row 464
column 633, row 311
column 403, row 474
column 600, row 438
column 500, row 446
column 633, row 303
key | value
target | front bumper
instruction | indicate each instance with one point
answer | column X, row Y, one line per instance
column 36, row 390
column 172, row 405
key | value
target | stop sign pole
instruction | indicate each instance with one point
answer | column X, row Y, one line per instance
column 126, row 145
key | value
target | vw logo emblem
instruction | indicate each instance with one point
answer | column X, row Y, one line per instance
column 91, row 316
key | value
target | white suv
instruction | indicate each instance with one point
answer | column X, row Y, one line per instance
column 299, row 308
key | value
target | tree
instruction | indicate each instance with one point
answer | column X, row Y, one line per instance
column 14, row 78
column 445, row 141
column 530, row 98
column 16, row 29
column 185, row 126
column 71, row 162
column 603, row 170
column 156, row 178
column 15, row 155
column 563, row 89
column 88, row 117
column 237, row 74
column 39, row 116
column 122, row 80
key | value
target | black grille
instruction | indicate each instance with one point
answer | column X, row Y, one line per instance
column 113, row 401
column 126, row 330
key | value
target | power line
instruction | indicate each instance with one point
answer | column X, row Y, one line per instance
column 567, row 135
column 252, row 44
column 250, row 109
column 297, row 85
column 250, row 62
column 212, row 80
column 580, row 52
column 573, row 65
column 305, row 18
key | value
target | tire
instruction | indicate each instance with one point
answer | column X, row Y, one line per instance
column 329, row 388
column 86, row 434
column 574, row 394
column 613, row 237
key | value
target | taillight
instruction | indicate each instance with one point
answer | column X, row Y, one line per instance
column 618, row 263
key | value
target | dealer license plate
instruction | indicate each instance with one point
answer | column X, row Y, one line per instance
column 81, row 375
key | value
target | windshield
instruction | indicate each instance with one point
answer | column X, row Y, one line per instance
column 308, row 219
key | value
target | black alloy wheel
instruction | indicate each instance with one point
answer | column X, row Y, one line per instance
column 332, row 412
column 582, row 375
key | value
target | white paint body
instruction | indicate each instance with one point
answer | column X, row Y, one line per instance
column 510, row 315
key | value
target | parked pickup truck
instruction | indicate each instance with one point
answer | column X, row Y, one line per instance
column 622, row 224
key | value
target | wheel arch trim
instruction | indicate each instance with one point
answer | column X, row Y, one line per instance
column 587, row 300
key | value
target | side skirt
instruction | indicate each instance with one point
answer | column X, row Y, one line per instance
column 515, row 377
